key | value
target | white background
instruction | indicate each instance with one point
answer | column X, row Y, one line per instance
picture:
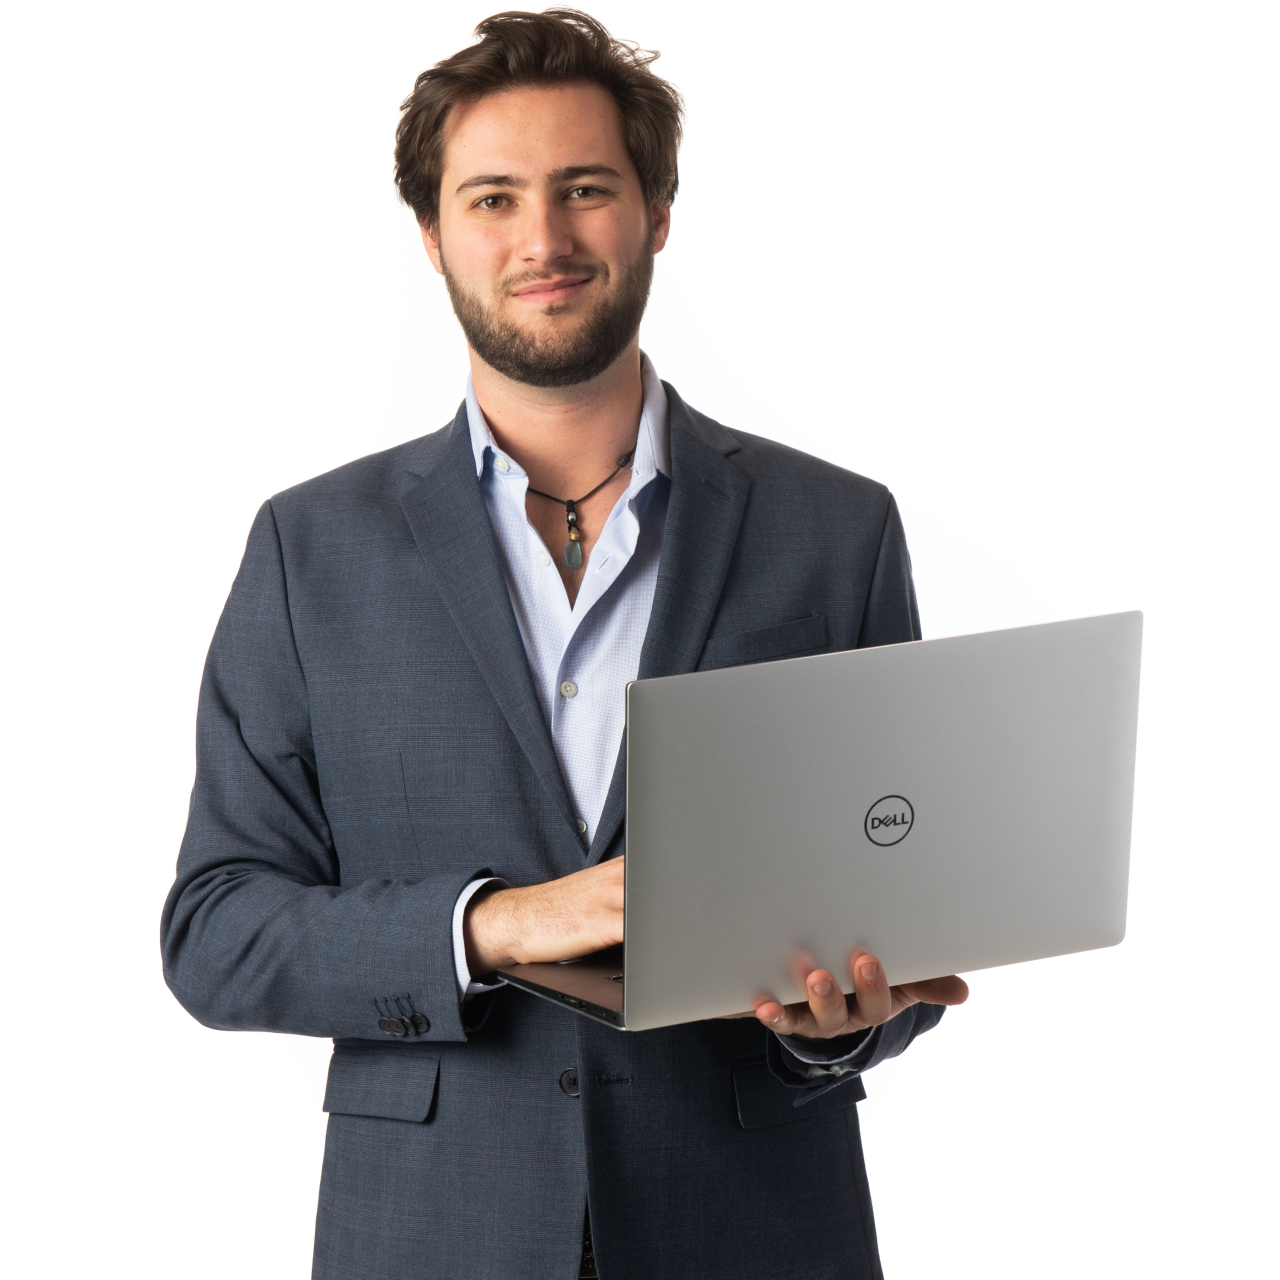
column 1018, row 261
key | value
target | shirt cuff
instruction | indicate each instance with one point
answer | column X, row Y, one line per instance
column 466, row 986
column 807, row 1059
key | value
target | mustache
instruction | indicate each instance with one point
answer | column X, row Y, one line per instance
column 589, row 270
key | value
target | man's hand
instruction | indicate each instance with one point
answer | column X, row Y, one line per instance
column 830, row 1012
column 559, row 920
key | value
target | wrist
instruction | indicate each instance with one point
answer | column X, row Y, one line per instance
column 485, row 931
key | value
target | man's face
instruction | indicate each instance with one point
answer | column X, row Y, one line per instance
column 544, row 240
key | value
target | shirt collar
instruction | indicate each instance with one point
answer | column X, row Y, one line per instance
column 653, row 440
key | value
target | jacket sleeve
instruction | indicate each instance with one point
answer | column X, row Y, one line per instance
column 259, row 933
column 890, row 615
column 870, row 1048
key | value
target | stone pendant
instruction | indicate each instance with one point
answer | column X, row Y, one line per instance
column 573, row 550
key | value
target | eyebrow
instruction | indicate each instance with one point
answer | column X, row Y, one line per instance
column 583, row 171
column 556, row 175
column 492, row 180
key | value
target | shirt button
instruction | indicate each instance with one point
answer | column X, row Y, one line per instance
column 568, row 689
column 502, row 464
column 543, row 558
column 582, row 826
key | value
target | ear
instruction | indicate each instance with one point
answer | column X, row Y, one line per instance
column 661, row 226
column 431, row 242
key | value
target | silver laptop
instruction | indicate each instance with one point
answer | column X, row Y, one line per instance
column 947, row 805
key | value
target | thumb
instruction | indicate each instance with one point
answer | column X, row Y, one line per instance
column 950, row 990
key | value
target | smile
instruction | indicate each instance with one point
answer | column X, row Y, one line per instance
column 543, row 292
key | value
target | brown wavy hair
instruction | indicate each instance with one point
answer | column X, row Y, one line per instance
column 515, row 50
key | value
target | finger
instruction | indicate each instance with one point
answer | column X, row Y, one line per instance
column 772, row 1014
column 786, row 1020
column 801, row 965
column 951, row 990
column 827, row 1004
column 874, row 1000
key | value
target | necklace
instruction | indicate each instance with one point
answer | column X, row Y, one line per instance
column 573, row 548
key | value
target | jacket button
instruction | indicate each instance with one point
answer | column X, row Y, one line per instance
column 569, row 1082
column 395, row 1027
column 420, row 1023
column 384, row 1024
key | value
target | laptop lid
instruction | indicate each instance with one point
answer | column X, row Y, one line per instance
column 948, row 805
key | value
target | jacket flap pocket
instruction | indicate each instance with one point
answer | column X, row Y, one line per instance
column 787, row 640
column 394, row 1083
column 764, row 1100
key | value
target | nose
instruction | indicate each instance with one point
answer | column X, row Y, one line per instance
column 546, row 235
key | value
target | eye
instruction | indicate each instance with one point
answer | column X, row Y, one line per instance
column 491, row 202
column 584, row 193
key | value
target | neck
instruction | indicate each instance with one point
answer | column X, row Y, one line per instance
column 567, row 438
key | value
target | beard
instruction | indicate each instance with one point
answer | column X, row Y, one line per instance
column 562, row 360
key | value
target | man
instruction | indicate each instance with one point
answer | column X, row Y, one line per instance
column 409, row 768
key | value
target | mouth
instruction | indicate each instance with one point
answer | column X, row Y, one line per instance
column 554, row 291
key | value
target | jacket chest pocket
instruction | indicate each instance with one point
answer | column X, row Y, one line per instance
column 786, row 640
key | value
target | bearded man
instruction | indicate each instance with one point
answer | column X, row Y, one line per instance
column 409, row 745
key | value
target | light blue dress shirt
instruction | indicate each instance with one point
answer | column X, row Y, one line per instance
column 583, row 655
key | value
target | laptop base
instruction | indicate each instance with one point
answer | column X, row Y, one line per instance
column 591, row 985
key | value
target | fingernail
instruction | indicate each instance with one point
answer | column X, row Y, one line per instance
column 822, row 988
column 775, row 1018
column 870, row 973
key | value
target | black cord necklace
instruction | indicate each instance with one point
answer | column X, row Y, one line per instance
column 573, row 548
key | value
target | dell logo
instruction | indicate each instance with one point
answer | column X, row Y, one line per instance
column 889, row 820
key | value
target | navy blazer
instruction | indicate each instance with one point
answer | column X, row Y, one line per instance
column 369, row 740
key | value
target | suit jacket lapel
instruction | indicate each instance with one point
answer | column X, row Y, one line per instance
column 708, row 498
column 447, row 516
